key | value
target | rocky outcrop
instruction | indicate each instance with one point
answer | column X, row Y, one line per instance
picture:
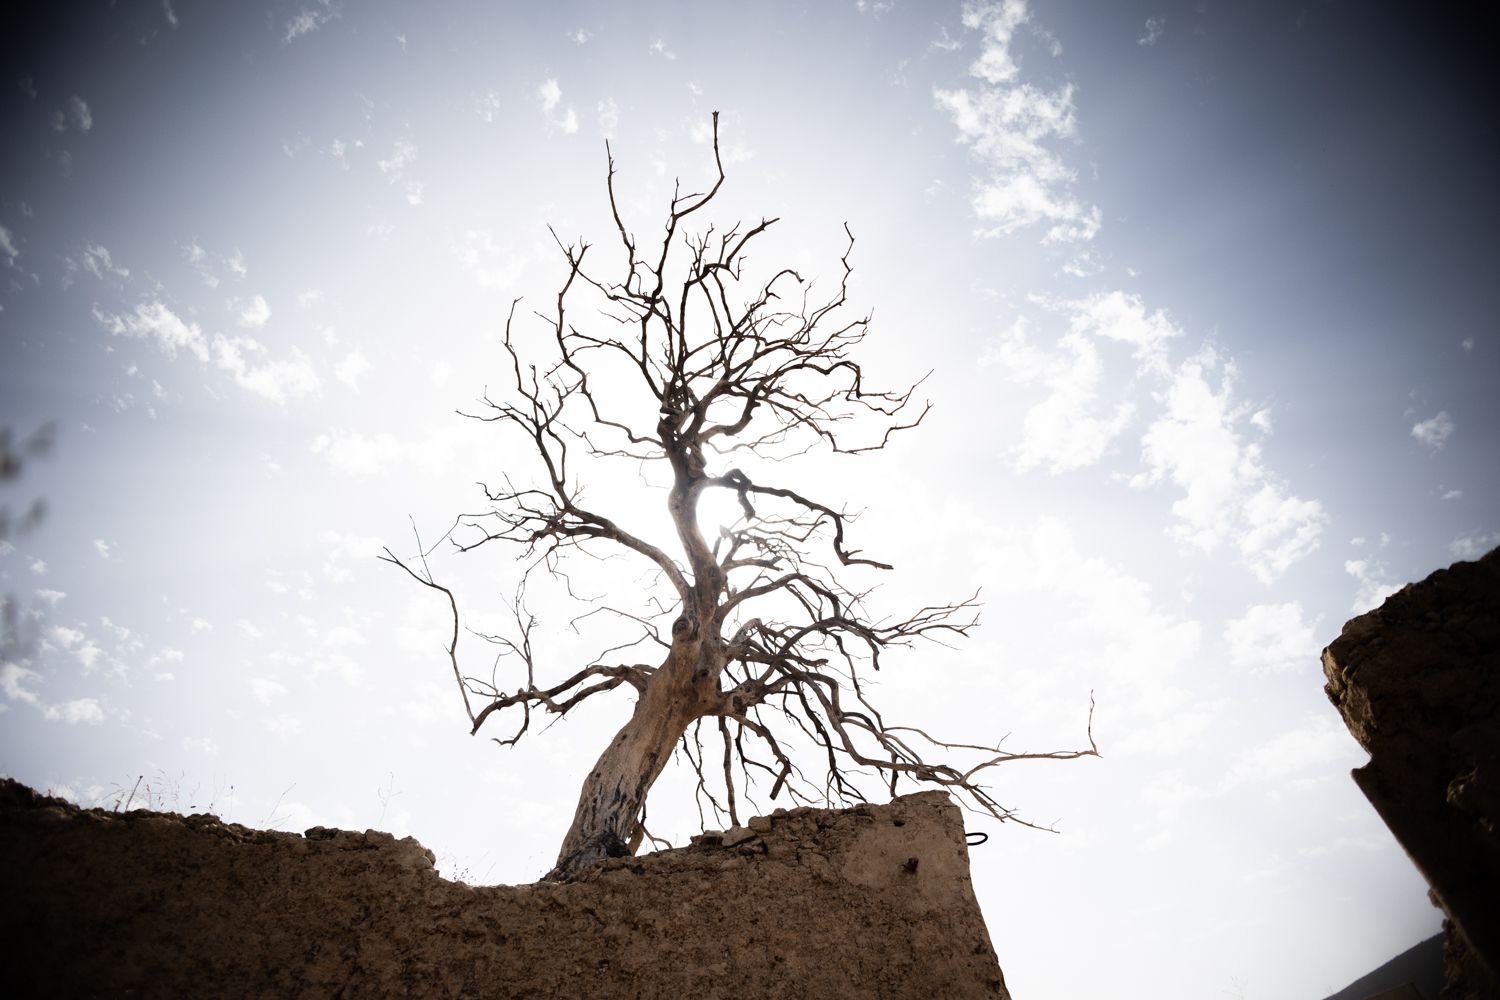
column 1418, row 684
column 873, row 901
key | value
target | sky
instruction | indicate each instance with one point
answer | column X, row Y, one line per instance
column 1204, row 289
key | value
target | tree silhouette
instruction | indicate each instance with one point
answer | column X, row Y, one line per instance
column 768, row 639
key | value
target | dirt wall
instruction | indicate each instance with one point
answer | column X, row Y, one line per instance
column 873, row 901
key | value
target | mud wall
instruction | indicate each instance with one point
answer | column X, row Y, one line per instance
column 868, row 902
column 1418, row 684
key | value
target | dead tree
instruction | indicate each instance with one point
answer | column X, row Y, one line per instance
column 768, row 639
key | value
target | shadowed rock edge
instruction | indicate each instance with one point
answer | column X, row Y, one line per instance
column 1417, row 682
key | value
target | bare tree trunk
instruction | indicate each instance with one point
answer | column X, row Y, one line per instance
column 613, row 794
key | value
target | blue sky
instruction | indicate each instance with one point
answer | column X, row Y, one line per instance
column 1204, row 289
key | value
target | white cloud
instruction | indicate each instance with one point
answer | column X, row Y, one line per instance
column 1168, row 792
column 659, row 48
column 154, row 321
column 1473, row 545
column 1024, row 183
column 265, row 690
column 609, row 117
column 74, row 641
column 1467, row 343
column 353, row 453
column 249, row 631
column 284, row 726
column 96, row 260
column 1025, row 199
column 39, row 567
column 1225, row 488
column 255, row 313
column 1011, row 129
column 735, row 151
column 51, row 596
column 77, row 115
column 277, row 381
column 101, row 547
column 488, row 107
column 8, row 245
column 491, row 265
column 208, row 264
column 1373, row 587
column 332, row 659
column 1278, row 529
column 13, row 681
column 1341, row 846
column 1181, row 728
column 355, row 546
column 944, row 42
column 1118, row 635
column 201, row 625
column 1066, row 430
column 1261, row 419
column 1195, row 442
column 1194, row 445
column 998, row 21
column 1321, row 742
column 1152, row 33
column 85, row 710
column 342, row 635
column 394, row 169
column 356, row 454
column 550, row 94
column 394, row 166
column 1434, row 431
column 205, row 746
column 125, row 637
column 351, row 368
column 1121, row 316
column 310, row 19
column 1272, row 638
column 166, row 6
column 347, row 547
column 578, row 36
